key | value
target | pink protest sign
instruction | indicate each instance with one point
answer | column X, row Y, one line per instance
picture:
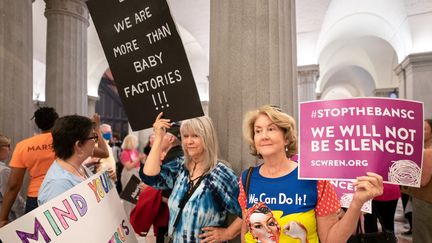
column 343, row 139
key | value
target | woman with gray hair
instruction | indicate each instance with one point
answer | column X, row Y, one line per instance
column 204, row 188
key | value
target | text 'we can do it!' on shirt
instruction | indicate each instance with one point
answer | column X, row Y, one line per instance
column 294, row 203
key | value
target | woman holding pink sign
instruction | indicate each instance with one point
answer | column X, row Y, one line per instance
column 299, row 206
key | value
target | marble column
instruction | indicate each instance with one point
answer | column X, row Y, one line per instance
column 205, row 105
column 91, row 101
column 307, row 78
column 16, row 69
column 415, row 82
column 252, row 62
column 66, row 56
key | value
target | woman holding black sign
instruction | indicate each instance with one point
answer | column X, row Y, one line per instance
column 304, row 210
column 205, row 190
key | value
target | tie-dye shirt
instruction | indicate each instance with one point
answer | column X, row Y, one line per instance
column 290, row 207
column 209, row 205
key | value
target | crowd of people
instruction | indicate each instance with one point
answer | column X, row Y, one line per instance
column 188, row 193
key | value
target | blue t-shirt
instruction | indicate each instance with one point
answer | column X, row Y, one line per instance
column 291, row 203
column 286, row 193
column 57, row 180
column 214, row 198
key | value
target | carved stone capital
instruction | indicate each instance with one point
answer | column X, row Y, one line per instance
column 75, row 8
column 417, row 60
column 307, row 74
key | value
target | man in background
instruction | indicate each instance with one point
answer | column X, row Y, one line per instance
column 34, row 154
column 110, row 161
column 152, row 207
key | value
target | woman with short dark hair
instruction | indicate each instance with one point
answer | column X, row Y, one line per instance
column 74, row 140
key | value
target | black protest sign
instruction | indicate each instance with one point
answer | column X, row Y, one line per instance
column 131, row 191
column 147, row 59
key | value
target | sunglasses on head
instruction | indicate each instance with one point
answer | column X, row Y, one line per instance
column 276, row 107
column 5, row 145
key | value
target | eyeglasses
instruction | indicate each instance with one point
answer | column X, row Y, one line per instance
column 95, row 137
column 5, row 145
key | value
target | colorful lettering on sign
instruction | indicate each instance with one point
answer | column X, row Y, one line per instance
column 24, row 236
column 120, row 235
column 61, row 215
column 80, row 205
column 101, row 186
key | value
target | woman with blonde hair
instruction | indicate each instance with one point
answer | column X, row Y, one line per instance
column 204, row 188
column 311, row 205
column 131, row 160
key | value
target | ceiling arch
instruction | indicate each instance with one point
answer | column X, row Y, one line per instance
column 347, row 82
column 370, row 53
column 327, row 31
column 349, row 19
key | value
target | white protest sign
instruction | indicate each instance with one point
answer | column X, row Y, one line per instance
column 89, row 212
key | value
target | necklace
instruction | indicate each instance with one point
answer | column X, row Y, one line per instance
column 77, row 170
column 191, row 175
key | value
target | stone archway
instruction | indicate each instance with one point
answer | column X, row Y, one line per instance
column 109, row 106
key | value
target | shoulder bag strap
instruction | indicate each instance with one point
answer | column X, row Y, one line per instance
column 185, row 199
column 248, row 176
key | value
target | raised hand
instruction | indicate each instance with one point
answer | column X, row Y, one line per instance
column 160, row 126
column 368, row 187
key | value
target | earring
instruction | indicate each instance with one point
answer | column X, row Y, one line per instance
column 286, row 148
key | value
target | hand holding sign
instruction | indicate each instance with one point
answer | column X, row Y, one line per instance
column 368, row 187
column 152, row 166
column 160, row 126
